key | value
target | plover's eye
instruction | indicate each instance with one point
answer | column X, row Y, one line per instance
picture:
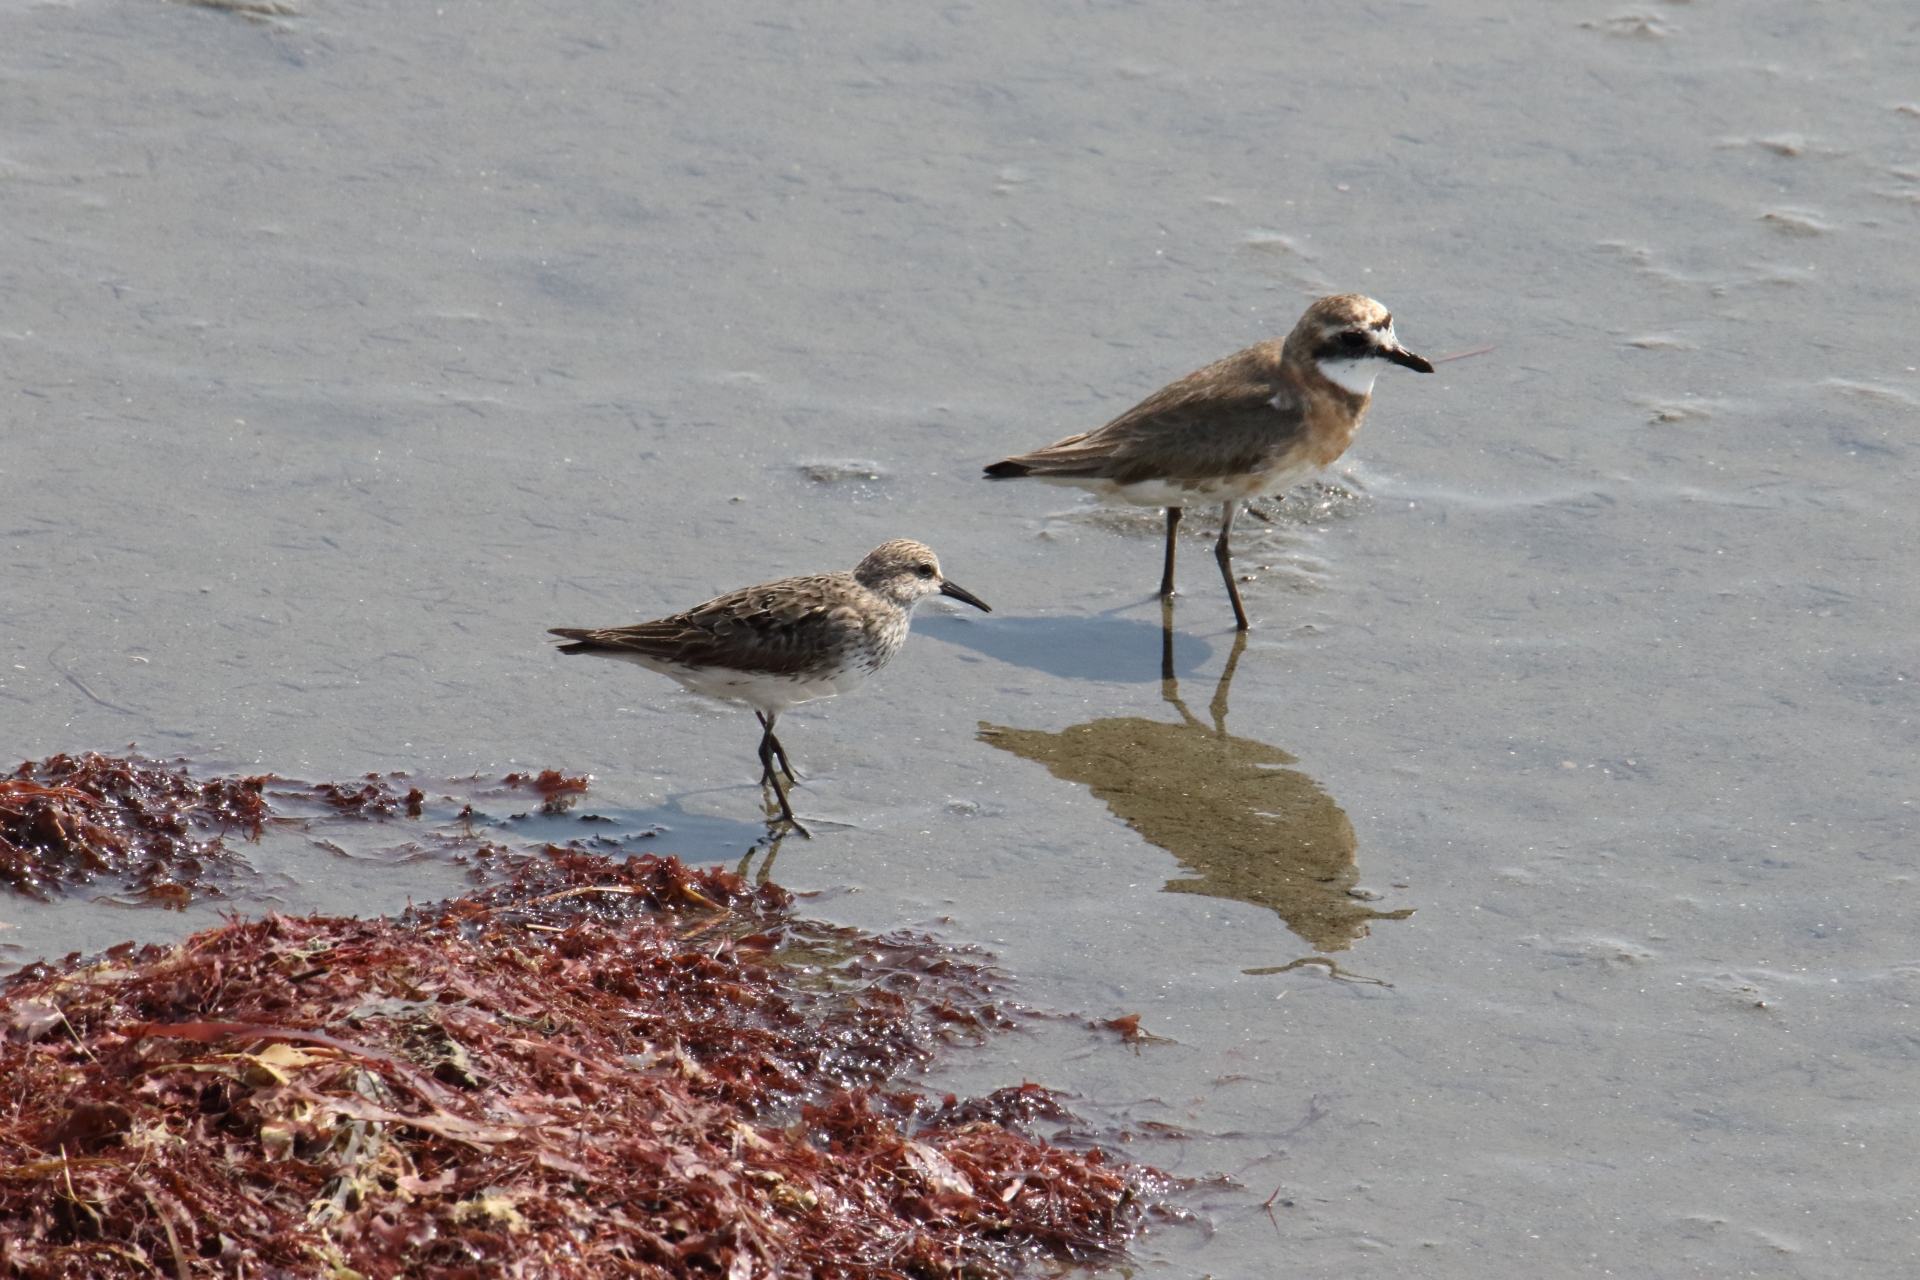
column 1354, row 341
column 925, row 571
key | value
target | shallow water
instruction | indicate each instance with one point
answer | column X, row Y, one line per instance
column 343, row 353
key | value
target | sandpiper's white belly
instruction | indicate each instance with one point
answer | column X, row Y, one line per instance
column 759, row 690
column 1191, row 493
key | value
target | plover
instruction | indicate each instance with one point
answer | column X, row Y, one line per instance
column 1257, row 422
column 783, row 643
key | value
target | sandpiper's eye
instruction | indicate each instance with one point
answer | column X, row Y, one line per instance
column 925, row 571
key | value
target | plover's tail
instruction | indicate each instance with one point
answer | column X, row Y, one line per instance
column 1085, row 456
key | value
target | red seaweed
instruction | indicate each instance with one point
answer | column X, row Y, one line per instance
column 557, row 791
column 151, row 831
column 600, row 1068
column 69, row 820
column 375, row 797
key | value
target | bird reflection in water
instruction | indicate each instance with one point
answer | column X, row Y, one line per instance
column 1226, row 807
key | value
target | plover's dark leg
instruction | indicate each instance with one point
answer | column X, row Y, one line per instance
column 1166, row 642
column 1223, row 552
column 767, row 776
column 1166, row 574
column 786, row 766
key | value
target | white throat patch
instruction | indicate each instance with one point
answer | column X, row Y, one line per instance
column 1355, row 375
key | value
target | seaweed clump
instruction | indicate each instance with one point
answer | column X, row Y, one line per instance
column 557, row 791
column 373, row 798
column 72, row 819
column 145, row 832
column 598, row 1069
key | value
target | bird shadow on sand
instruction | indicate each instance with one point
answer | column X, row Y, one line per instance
column 1118, row 650
column 1239, row 819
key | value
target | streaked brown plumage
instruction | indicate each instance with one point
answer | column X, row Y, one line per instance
column 1257, row 422
column 783, row 643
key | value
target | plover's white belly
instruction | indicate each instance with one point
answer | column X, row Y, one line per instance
column 758, row 689
column 1191, row 493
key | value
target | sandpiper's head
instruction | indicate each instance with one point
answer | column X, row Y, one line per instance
column 906, row 572
column 1344, row 335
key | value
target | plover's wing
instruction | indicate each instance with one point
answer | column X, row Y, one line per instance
column 788, row 627
column 1237, row 416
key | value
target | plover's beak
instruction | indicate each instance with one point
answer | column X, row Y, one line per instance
column 1406, row 359
column 950, row 588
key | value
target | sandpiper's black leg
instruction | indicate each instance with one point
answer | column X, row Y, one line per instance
column 1166, row 574
column 786, row 766
column 1223, row 552
column 767, row 776
column 766, row 756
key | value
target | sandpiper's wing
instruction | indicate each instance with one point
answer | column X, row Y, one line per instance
column 777, row 628
column 1237, row 416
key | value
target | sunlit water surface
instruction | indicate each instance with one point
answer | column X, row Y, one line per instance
column 344, row 352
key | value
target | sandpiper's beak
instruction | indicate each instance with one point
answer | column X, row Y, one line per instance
column 1406, row 359
column 948, row 587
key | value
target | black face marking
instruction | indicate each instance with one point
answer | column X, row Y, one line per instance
column 1348, row 344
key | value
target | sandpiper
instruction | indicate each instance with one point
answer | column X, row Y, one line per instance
column 783, row 643
column 1257, row 422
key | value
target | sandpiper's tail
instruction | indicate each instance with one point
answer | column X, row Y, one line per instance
column 1008, row 469
column 583, row 639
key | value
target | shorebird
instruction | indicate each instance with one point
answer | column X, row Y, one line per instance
column 1258, row 422
column 783, row 643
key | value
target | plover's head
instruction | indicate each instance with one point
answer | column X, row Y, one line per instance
column 1344, row 335
column 906, row 572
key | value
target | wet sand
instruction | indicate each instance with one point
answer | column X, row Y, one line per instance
column 343, row 353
